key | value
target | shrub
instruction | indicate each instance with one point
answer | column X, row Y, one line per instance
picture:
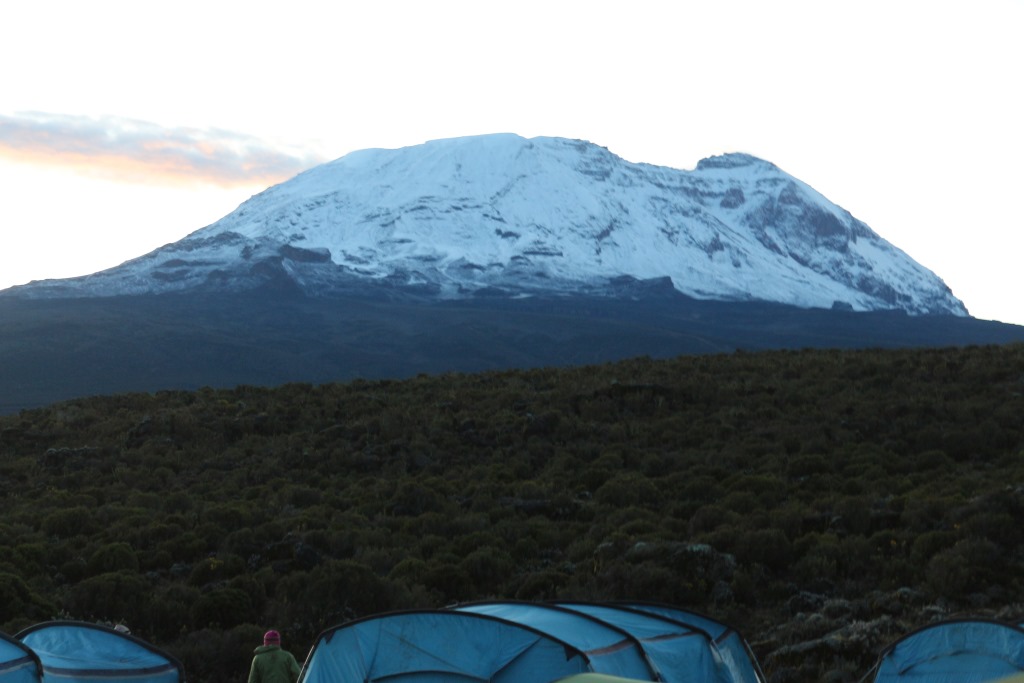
column 710, row 517
column 488, row 568
column 223, row 655
column 114, row 596
column 222, row 608
column 70, row 522
column 819, row 558
column 17, row 601
column 344, row 584
column 185, row 548
column 170, row 611
column 449, row 580
column 542, row 585
column 930, row 543
column 769, row 547
column 113, row 557
column 216, row 569
column 948, row 574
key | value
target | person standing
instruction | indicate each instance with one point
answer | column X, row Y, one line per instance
column 271, row 664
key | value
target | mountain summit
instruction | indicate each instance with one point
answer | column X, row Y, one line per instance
column 504, row 216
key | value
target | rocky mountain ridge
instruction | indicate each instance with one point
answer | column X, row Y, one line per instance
column 503, row 216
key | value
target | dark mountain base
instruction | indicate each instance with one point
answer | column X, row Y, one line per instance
column 52, row 350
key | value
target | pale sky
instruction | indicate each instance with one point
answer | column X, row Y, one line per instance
column 127, row 125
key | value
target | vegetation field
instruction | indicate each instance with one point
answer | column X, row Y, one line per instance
column 822, row 502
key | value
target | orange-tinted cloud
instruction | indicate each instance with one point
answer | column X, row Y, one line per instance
column 146, row 153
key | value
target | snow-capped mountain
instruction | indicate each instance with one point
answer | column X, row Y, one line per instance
column 500, row 215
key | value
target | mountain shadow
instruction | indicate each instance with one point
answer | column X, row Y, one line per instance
column 56, row 349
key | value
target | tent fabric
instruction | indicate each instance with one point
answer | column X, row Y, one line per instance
column 733, row 649
column 520, row 642
column 961, row 651
column 436, row 646
column 610, row 649
column 595, row 678
column 18, row 664
column 79, row 652
column 679, row 652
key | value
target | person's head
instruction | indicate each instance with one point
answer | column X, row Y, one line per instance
column 271, row 638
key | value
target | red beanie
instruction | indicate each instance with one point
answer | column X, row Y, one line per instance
column 271, row 637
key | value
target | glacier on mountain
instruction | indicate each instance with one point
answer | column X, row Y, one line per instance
column 501, row 215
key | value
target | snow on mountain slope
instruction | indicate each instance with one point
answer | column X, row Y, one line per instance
column 503, row 215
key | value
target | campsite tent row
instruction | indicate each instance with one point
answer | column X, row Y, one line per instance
column 516, row 642
column 79, row 652
column 520, row 643
column 509, row 642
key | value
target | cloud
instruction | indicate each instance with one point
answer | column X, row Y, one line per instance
column 126, row 150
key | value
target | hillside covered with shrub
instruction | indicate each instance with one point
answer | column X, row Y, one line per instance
column 822, row 502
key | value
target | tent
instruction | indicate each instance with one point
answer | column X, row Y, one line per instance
column 519, row 642
column 679, row 647
column 595, row 678
column 18, row 664
column 731, row 646
column 960, row 650
column 669, row 651
column 79, row 652
column 610, row 649
column 435, row 646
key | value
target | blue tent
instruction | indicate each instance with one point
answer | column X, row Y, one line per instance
column 676, row 648
column 731, row 646
column 959, row 650
column 595, row 678
column 439, row 647
column 79, row 652
column 610, row 649
column 18, row 664
column 518, row 642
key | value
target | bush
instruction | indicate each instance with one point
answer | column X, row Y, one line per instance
column 488, row 568
column 69, row 523
column 170, row 612
column 543, row 585
column 967, row 567
column 628, row 489
column 113, row 557
column 115, row 597
column 928, row 544
column 769, row 547
column 344, row 587
column 222, row 655
column 214, row 569
column 222, row 608
column 18, row 602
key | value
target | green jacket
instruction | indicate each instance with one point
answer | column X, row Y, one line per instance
column 273, row 665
